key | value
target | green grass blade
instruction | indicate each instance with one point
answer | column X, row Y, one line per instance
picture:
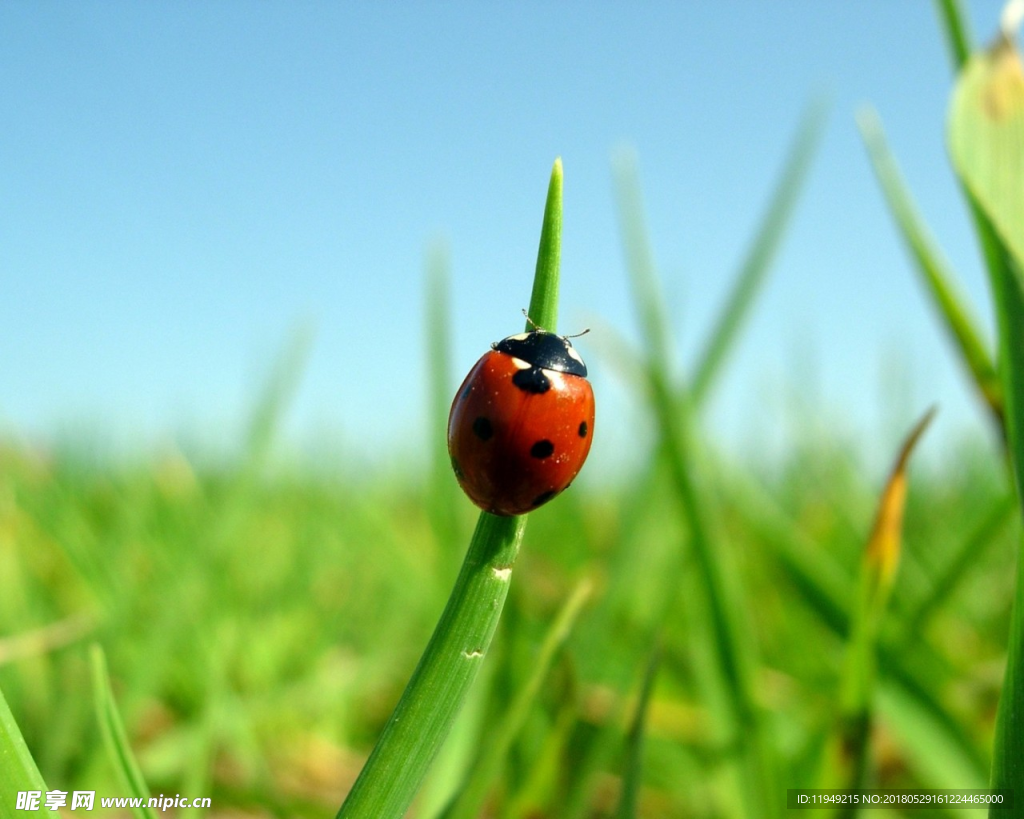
column 673, row 413
column 986, row 136
column 959, row 568
column 762, row 252
column 471, row 797
column 424, row 715
column 544, row 298
column 953, row 306
column 114, row 736
column 18, row 770
column 277, row 393
column 954, row 25
column 421, row 720
column 632, row 778
column 647, row 295
column 821, row 585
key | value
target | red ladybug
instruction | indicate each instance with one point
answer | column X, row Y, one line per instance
column 521, row 423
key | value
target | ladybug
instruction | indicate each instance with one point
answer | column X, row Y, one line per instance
column 521, row 423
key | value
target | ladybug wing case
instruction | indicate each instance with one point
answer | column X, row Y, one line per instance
column 518, row 438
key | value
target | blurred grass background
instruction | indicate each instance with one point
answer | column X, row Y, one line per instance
column 260, row 617
column 259, row 625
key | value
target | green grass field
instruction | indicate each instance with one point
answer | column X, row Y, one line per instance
column 687, row 640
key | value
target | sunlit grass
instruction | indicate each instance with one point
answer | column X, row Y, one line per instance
column 688, row 639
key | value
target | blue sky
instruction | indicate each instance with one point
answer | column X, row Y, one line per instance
column 181, row 184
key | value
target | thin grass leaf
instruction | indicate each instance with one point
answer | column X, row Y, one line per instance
column 878, row 572
column 424, row 715
column 959, row 568
column 954, row 26
column 277, row 393
column 18, row 770
column 632, row 778
column 762, row 252
column 937, row 761
column 544, row 298
column 673, row 412
column 471, row 797
column 909, row 667
column 986, row 137
column 115, row 739
column 953, row 306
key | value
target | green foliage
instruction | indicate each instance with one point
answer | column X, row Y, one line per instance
column 18, row 771
column 261, row 619
column 440, row 684
column 114, row 737
column 986, row 135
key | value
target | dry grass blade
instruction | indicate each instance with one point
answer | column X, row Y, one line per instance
column 847, row 760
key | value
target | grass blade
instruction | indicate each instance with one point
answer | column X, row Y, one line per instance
column 421, row 720
column 954, row 25
column 544, row 298
column 821, row 585
column 878, row 572
column 114, row 736
column 277, row 393
column 18, row 770
column 633, row 777
column 424, row 715
column 986, row 136
column 472, row 795
column 959, row 568
column 762, row 252
column 673, row 412
column 939, row 279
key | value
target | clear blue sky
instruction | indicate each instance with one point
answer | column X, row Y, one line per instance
column 181, row 183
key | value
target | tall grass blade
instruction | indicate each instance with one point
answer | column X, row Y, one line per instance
column 762, row 252
column 986, row 136
column 18, row 770
column 632, row 778
column 673, row 412
column 471, row 797
column 277, row 393
column 544, row 299
column 939, row 279
column 878, row 572
column 909, row 668
column 959, row 567
column 114, row 736
column 424, row 715
column 954, row 26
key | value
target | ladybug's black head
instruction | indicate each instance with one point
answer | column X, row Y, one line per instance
column 547, row 351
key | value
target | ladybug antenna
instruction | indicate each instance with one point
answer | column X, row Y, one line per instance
column 533, row 324
column 540, row 329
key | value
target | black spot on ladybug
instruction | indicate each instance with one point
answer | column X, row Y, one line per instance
column 542, row 449
column 482, row 428
column 532, row 380
column 583, row 429
column 457, row 469
column 544, row 497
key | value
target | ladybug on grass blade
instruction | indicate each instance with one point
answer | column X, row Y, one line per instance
column 521, row 423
